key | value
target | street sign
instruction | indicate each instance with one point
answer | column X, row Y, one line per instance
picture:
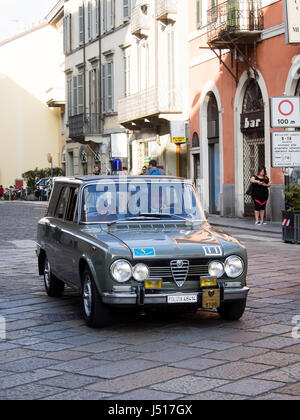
column 292, row 21
column 285, row 149
column 285, row 111
column 178, row 132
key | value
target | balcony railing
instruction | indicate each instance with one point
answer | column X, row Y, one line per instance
column 80, row 127
column 166, row 9
column 140, row 20
column 151, row 102
column 233, row 17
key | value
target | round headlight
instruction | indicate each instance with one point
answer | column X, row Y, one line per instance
column 140, row 272
column 121, row 271
column 216, row 269
column 234, row 266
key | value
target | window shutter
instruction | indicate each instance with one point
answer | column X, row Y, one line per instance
column 75, row 95
column 65, row 33
column 97, row 29
column 104, row 88
column 81, row 23
column 110, row 87
column 104, row 15
column 126, row 10
column 90, row 21
column 199, row 13
column 80, row 106
column 112, row 14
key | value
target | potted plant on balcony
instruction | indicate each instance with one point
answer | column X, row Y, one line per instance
column 291, row 216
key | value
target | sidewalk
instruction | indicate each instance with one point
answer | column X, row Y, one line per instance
column 245, row 224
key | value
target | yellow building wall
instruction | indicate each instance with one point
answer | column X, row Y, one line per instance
column 28, row 131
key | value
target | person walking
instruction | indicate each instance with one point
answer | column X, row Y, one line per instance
column 260, row 194
column 1, row 192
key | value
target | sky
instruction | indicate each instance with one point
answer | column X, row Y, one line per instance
column 18, row 15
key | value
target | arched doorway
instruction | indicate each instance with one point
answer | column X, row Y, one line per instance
column 213, row 154
column 252, row 127
column 195, row 152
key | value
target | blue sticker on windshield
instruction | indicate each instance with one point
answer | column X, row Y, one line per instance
column 144, row 252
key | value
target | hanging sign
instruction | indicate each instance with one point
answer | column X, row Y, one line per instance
column 285, row 149
column 285, row 111
column 178, row 132
column 292, row 21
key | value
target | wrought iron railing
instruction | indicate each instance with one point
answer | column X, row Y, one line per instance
column 80, row 125
column 235, row 16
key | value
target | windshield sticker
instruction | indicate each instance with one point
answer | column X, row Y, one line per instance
column 144, row 252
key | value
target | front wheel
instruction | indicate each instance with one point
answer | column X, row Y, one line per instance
column 54, row 287
column 96, row 314
column 232, row 311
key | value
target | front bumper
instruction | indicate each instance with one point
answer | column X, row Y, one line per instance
column 139, row 298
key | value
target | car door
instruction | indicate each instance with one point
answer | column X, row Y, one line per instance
column 69, row 239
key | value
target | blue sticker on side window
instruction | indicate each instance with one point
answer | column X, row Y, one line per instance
column 144, row 252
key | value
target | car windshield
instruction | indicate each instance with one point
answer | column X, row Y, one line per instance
column 113, row 201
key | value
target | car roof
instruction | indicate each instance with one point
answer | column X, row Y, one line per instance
column 92, row 178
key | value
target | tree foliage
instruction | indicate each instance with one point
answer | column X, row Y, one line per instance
column 31, row 177
column 292, row 197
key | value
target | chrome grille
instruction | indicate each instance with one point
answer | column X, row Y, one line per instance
column 179, row 269
column 166, row 272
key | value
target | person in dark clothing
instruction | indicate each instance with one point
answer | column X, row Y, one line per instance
column 260, row 194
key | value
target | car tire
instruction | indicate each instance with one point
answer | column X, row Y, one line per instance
column 232, row 311
column 54, row 287
column 96, row 313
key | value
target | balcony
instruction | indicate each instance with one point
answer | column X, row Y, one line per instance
column 166, row 10
column 140, row 21
column 241, row 20
column 79, row 127
column 149, row 103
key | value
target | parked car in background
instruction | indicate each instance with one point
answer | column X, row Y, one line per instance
column 138, row 242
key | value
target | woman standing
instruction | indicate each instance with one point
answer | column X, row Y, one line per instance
column 260, row 194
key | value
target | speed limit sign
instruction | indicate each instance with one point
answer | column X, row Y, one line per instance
column 285, row 111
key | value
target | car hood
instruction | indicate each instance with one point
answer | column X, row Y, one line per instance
column 173, row 241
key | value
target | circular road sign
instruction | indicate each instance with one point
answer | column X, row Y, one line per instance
column 286, row 107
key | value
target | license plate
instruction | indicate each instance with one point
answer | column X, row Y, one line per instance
column 183, row 299
column 211, row 299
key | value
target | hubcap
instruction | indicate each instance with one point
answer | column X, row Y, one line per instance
column 87, row 296
column 47, row 274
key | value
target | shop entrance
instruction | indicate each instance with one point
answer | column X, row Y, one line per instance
column 252, row 126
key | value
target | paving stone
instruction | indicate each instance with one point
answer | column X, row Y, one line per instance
column 213, row 345
column 12, row 381
column 197, row 363
column 288, row 374
column 151, row 347
column 27, row 364
column 68, row 381
column 214, row 396
column 276, row 397
column 114, row 370
column 138, row 380
column 189, row 385
column 147, row 394
column 275, row 329
column 78, row 395
column 116, row 355
column 291, row 389
column 236, row 353
column 66, row 355
column 175, row 354
column 17, row 354
column 250, row 387
column 274, row 343
column 29, row 392
column 274, row 358
column 100, row 347
column 295, row 349
column 234, row 370
column 50, row 346
column 82, row 340
column 4, row 346
column 78, row 365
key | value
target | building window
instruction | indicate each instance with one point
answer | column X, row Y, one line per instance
column 143, row 66
column 127, row 72
column 126, row 10
column 199, row 13
column 108, row 15
column 195, row 140
column 93, row 19
column 81, row 25
column 78, row 99
column 108, row 86
column 67, row 34
column 70, row 96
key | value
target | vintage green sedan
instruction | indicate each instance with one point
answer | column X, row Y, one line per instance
column 138, row 242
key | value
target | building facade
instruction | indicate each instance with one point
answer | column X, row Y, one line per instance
column 32, row 98
column 239, row 58
column 126, row 79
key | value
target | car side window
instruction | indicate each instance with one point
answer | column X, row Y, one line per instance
column 62, row 203
column 72, row 204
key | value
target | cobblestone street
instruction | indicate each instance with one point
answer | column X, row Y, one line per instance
column 49, row 353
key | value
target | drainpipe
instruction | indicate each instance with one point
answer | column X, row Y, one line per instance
column 84, row 66
column 100, row 69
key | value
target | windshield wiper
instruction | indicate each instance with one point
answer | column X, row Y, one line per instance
column 132, row 219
